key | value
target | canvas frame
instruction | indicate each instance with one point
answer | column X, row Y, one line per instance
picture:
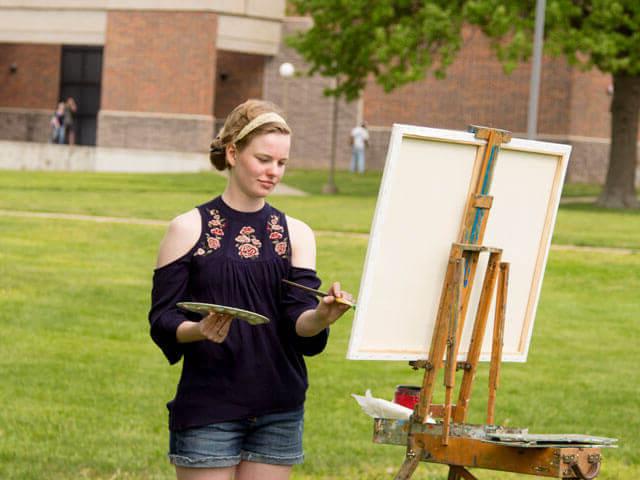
column 427, row 181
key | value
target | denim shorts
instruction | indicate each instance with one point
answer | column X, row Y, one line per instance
column 274, row 438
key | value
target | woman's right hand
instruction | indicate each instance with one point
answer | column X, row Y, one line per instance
column 215, row 326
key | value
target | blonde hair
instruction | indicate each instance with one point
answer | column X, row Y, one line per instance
column 237, row 120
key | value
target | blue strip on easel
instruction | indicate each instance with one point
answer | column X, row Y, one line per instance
column 473, row 237
column 487, row 173
column 466, row 273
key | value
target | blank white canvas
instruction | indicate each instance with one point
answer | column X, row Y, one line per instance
column 427, row 179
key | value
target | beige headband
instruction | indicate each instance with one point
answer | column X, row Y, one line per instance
column 268, row 117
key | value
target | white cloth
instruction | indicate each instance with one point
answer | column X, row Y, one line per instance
column 379, row 408
column 360, row 136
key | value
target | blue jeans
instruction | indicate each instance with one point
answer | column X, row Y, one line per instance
column 357, row 160
column 274, row 438
column 58, row 135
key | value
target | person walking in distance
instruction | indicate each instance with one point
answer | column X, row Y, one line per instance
column 359, row 141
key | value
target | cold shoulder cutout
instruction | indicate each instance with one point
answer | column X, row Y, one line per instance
column 303, row 244
column 181, row 237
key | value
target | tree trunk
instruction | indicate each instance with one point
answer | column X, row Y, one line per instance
column 619, row 190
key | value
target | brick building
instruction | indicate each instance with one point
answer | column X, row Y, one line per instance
column 573, row 108
column 144, row 73
column 156, row 76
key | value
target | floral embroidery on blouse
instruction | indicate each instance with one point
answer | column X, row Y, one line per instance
column 276, row 235
column 214, row 235
column 247, row 244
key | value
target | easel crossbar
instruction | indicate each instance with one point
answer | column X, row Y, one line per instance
column 470, row 247
column 470, row 446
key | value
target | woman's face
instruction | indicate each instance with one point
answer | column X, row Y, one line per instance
column 259, row 167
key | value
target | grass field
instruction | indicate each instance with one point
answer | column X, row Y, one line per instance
column 84, row 388
column 161, row 197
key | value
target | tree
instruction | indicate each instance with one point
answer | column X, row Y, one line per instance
column 401, row 41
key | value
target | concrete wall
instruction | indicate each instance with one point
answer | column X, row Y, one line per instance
column 589, row 160
column 154, row 131
column 42, row 156
column 31, row 125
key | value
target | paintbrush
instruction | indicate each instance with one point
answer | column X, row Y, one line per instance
column 319, row 293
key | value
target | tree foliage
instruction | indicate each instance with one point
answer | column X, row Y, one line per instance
column 400, row 41
column 396, row 41
column 600, row 33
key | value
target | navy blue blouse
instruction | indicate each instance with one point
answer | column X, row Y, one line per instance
column 239, row 261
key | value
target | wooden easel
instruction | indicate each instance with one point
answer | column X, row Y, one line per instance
column 451, row 441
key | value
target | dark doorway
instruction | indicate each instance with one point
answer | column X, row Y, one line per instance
column 81, row 73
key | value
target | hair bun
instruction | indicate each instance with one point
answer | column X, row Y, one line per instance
column 217, row 154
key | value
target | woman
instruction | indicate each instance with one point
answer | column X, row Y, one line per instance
column 238, row 410
column 57, row 124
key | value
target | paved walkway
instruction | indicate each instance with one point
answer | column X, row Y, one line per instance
column 281, row 188
column 163, row 223
column 284, row 189
column 575, row 200
column 89, row 218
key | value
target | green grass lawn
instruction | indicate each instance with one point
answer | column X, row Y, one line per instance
column 162, row 196
column 581, row 190
column 587, row 225
column 84, row 388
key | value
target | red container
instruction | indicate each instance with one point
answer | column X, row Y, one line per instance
column 407, row 395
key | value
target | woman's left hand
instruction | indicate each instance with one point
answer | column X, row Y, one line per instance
column 215, row 326
column 331, row 308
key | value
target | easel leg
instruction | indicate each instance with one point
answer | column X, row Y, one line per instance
column 452, row 346
column 410, row 464
column 456, row 473
column 438, row 343
column 475, row 346
column 498, row 339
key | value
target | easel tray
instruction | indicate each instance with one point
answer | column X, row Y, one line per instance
column 395, row 432
column 496, row 448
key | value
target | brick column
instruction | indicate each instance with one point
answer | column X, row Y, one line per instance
column 240, row 77
column 158, row 80
column 28, row 93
